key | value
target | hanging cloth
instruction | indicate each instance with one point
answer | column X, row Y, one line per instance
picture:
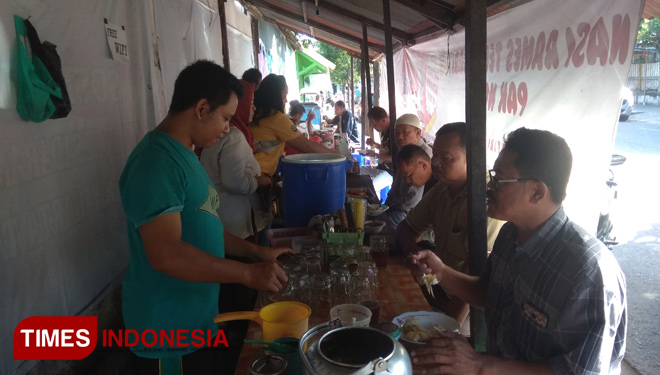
column 34, row 83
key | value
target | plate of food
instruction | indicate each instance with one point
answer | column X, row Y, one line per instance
column 357, row 193
column 418, row 327
column 377, row 209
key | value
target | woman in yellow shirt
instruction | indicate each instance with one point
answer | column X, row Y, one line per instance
column 272, row 128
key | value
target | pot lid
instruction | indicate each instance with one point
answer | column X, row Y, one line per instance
column 355, row 347
column 313, row 158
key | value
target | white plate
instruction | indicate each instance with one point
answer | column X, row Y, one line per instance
column 428, row 319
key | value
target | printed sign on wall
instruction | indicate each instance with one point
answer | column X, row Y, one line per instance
column 116, row 41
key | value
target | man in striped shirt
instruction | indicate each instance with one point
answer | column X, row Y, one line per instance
column 554, row 296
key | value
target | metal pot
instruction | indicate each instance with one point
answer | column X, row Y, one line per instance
column 354, row 351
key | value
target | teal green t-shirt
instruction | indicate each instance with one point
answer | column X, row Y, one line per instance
column 162, row 176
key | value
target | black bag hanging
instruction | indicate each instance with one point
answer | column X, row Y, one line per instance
column 47, row 53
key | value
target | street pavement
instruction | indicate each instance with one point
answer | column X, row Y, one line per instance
column 636, row 217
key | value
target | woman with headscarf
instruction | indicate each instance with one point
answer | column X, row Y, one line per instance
column 272, row 128
column 231, row 165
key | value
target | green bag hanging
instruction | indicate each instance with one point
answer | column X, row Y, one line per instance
column 35, row 84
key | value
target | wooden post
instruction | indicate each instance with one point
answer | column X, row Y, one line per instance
column 475, row 108
column 255, row 41
column 389, row 58
column 352, row 93
column 366, row 85
column 223, row 30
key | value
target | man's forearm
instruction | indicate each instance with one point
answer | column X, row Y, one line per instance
column 238, row 247
column 466, row 287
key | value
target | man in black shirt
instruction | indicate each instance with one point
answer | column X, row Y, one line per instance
column 344, row 118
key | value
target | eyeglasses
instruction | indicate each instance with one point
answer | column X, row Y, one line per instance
column 496, row 181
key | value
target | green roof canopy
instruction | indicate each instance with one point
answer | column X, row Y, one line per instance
column 308, row 63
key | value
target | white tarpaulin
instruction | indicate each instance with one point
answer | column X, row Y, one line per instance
column 555, row 65
column 187, row 31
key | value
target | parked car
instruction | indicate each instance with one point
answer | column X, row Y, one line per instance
column 626, row 104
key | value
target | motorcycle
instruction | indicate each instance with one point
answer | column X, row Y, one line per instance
column 605, row 226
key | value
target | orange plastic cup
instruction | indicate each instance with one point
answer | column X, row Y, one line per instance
column 279, row 319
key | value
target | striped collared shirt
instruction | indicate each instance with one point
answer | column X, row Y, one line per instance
column 559, row 298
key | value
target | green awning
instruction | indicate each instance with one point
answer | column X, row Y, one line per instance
column 308, row 63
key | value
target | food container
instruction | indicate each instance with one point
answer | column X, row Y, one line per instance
column 352, row 350
column 279, row 319
column 375, row 209
column 373, row 226
column 351, row 315
column 269, row 365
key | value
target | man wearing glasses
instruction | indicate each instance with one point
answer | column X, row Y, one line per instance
column 554, row 296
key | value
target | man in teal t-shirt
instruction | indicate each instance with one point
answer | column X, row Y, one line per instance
column 177, row 242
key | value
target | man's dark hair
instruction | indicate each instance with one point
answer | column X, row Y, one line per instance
column 340, row 103
column 296, row 109
column 204, row 79
column 252, row 75
column 409, row 153
column 542, row 155
column 377, row 113
column 451, row 128
column 268, row 97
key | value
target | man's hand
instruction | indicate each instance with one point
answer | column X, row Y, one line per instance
column 268, row 276
column 449, row 354
column 268, row 254
column 429, row 263
column 371, row 142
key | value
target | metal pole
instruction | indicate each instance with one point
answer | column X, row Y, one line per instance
column 475, row 108
column 389, row 58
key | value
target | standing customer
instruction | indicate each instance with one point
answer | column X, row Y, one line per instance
column 236, row 174
column 554, row 296
column 176, row 240
column 273, row 129
column 382, row 173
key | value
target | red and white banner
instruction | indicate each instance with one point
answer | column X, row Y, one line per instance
column 557, row 65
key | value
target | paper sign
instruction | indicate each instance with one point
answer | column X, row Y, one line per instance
column 117, row 41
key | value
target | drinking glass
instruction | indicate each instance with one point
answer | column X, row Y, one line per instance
column 380, row 249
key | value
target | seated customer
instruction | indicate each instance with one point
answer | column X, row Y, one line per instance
column 444, row 211
column 554, row 296
column 414, row 164
column 382, row 173
column 296, row 112
column 273, row 129
column 403, row 196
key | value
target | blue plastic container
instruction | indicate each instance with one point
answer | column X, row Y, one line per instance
column 312, row 184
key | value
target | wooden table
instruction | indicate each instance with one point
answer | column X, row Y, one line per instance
column 398, row 294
